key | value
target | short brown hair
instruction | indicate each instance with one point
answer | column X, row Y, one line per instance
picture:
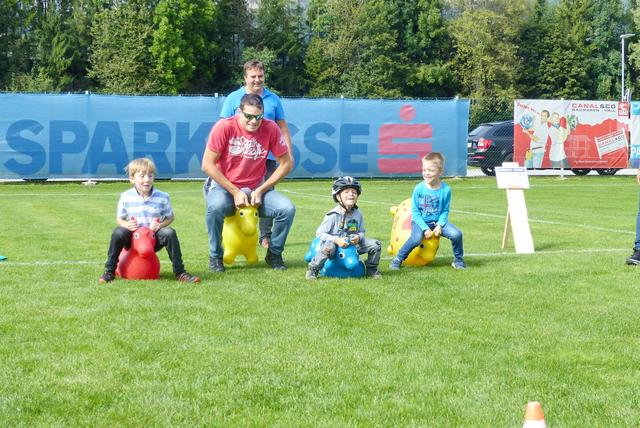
column 435, row 157
column 254, row 63
column 140, row 165
column 251, row 100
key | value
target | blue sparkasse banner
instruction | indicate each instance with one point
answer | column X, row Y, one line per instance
column 95, row 136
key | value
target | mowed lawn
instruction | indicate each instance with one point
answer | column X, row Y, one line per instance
column 428, row 346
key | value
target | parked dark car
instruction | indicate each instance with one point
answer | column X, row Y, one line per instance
column 489, row 145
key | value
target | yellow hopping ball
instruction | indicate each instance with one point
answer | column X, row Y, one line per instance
column 240, row 235
column 400, row 232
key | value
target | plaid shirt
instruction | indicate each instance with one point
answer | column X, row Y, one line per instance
column 132, row 204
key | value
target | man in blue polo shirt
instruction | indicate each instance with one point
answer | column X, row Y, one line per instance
column 254, row 84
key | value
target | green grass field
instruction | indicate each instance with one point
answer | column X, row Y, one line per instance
column 429, row 346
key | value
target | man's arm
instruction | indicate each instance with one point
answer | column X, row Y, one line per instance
column 286, row 135
column 210, row 168
column 285, row 165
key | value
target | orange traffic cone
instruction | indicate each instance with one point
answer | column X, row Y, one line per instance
column 534, row 416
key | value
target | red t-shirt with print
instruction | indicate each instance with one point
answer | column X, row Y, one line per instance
column 243, row 154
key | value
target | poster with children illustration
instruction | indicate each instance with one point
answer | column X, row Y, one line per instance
column 570, row 134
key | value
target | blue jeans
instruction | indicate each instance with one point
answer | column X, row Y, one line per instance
column 274, row 205
column 636, row 245
column 449, row 231
column 266, row 223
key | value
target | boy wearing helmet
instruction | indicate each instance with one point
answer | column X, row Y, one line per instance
column 342, row 226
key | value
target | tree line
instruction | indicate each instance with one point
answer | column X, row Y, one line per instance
column 489, row 50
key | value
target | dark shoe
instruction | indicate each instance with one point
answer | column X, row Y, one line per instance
column 107, row 276
column 312, row 274
column 187, row 277
column 635, row 258
column 275, row 261
column 395, row 264
column 374, row 274
column 215, row 264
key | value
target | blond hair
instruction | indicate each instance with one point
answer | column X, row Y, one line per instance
column 140, row 165
column 436, row 157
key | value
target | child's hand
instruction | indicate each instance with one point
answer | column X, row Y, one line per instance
column 354, row 239
column 437, row 231
column 427, row 233
column 155, row 224
column 341, row 242
column 132, row 224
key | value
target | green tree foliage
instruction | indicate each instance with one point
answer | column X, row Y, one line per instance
column 567, row 70
column 490, row 50
column 280, row 28
column 12, row 18
column 182, row 43
column 354, row 50
column 121, row 61
column 486, row 58
column 533, row 48
column 232, row 26
column 424, row 37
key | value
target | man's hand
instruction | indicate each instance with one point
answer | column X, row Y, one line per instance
column 240, row 199
column 256, row 198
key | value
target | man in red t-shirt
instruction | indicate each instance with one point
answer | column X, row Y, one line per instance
column 235, row 160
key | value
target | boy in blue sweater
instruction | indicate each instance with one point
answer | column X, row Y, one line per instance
column 430, row 213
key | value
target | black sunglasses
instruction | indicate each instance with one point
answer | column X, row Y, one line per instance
column 248, row 116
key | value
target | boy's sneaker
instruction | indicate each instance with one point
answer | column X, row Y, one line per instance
column 635, row 258
column 458, row 264
column 374, row 274
column 187, row 277
column 312, row 274
column 275, row 261
column 215, row 264
column 107, row 276
column 395, row 264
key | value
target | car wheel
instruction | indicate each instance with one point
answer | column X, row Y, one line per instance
column 581, row 171
column 607, row 171
column 490, row 171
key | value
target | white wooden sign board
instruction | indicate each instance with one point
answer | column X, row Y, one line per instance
column 514, row 178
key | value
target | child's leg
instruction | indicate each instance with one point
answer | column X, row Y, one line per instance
column 414, row 240
column 326, row 251
column 120, row 238
column 168, row 238
column 373, row 248
column 451, row 232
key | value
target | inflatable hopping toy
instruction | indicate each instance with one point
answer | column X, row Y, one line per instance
column 345, row 263
column 140, row 261
column 240, row 235
column 400, row 232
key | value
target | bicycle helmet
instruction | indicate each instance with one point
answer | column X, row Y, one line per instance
column 345, row 183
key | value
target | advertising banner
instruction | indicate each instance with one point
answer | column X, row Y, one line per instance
column 634, row 156
column 571, row 134
column 95, row 136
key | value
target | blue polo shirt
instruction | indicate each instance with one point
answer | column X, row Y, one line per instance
column 272, row 106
